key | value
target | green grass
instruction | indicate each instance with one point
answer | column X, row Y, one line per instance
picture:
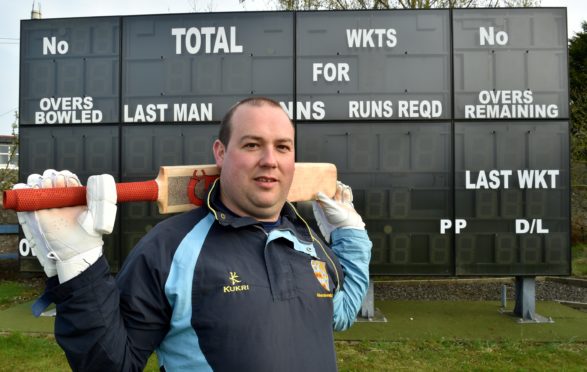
column 579, row 259
column 467, row 321
column 12, row 292
column 20, row 352
column 460, row 356
column 27, row 353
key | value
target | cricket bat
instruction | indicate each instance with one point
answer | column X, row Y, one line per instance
column 176, row 189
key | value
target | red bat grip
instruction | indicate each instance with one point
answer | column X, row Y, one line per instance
column 25, row 200
column 137, row 191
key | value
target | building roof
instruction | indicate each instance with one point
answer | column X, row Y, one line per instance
column 6, row 139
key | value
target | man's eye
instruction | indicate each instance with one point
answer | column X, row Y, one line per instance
column 284, row 148
column 250, row 145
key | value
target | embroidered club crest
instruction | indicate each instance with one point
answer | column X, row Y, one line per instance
column 319, row 268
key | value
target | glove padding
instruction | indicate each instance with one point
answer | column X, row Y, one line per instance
column 338, row 212
column 39, row 247
column 68, row 240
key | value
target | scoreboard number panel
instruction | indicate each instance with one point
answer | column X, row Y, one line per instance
column 197, row 144
column 486, row 205
column 429, row 149
column 41, row 77
column 511, row 203
column 505, row 249
column 511, row 154
column 465, row 249
column 439, row 249
column 146, row 147
column 71, row 71
column 67, row 152
column 548, row 145
column 199, row 66
column 515, row 58
column 359, row 65
column 88, row 152
column 556, row 251
column 400, row 175
column 523, row 202
column 70, row 75
column 400, row 249
column 360, row 149
column 531, row 249
column 395, row 152
column 503, row 64
column 35, row 151
column 376, row 202
column 379, row 254
column 400, row 203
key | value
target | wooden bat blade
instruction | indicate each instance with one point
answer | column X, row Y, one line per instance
column 176, row 189
column 309, row 179
column 182, row 188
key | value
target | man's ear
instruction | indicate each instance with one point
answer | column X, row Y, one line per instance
column 219, row 150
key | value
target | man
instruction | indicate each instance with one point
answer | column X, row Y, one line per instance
column 241, row 284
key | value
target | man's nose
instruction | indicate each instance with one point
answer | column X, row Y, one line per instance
column 268, row 159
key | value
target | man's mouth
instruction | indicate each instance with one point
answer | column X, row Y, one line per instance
column 265, row 179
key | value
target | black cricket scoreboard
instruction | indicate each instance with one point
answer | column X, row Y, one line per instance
column 451, row 125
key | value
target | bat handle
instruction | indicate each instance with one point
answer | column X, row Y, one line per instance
column 26, row 200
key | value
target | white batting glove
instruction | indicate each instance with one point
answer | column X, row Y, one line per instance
column 69, row 240
column 30, row 228
column 339, row 212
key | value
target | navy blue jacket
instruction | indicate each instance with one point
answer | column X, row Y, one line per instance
column 208, row 290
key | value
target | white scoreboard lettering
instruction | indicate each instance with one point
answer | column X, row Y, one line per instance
column 206, row 39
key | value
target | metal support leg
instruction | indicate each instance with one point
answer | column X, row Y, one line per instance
column 525, row 298
column 368, row 306
column 525, row 308
column 368, row 312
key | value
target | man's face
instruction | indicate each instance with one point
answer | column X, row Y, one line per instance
column 257, row 165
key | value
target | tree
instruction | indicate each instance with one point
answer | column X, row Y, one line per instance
column 578, row 94
column 198, row 7
column 578, row 107
column 9, row 176
column 399, row 4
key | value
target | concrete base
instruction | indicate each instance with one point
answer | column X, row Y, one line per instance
column 537, row 318
column 378, row 317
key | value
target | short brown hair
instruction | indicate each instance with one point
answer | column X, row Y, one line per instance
column 226, row 124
